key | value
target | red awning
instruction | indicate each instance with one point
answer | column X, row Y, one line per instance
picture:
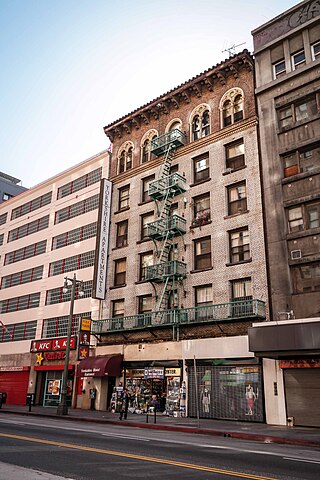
column 100, row 366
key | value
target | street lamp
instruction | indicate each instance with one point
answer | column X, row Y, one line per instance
column 63, row 407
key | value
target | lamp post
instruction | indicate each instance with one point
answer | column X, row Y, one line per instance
column 63, row 407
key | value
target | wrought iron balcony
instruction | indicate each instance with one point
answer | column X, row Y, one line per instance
column 224, row 312
column 175, row 182
column 175, row 225
column 174, row 139
column 159, row 272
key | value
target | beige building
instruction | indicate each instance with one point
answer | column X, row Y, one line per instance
column 186, row 274
column 287, row 59
column 47, row 233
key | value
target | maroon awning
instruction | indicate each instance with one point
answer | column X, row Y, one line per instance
column 100, row 366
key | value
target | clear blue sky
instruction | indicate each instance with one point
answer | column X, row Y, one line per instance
column 70, row 67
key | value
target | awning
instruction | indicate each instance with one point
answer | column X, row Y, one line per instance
column 100, row 366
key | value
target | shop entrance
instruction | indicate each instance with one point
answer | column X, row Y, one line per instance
column 52, row 389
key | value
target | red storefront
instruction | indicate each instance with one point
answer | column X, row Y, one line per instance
column 14, row 382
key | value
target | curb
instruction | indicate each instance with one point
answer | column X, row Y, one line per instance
column 172, row 428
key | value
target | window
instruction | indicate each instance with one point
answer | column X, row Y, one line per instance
column 3, row 218
column 120, row 267
column 237, row 198
column 125, row 157
column 298, row 59
column 31, row 206
column 25, row 252
column 203, row 295
column 298, row 111
column 313, row 215
column 239, row 246
column 295, row 219
column 74, row 236
column 76, row 262
column 1, row 238
column 80, row 183
column 28, row 229
column 145, row 188
column 58, row 326
column 117, row 314
column 18, row 331
column 122, row 234
column 145, row 219
column 279, row 69
column 19, row 278
column 201, row 210
column 77, row 209
column 56, row 295
column 241, row 292
column 201, row 168
column 235, row 155
column 306, row 278
column 304, row 217
column 202, row 253
column 6, row 196
column 124, row 197
column 315, row 50
column 20, row 303
column 144, row 307
column 146, row 260
column 231, row 107
column 200, row 125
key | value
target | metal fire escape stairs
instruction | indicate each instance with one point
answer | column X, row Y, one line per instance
column 167, row 274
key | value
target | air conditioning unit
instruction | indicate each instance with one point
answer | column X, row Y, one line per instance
column 227, row 170
column 295, row 254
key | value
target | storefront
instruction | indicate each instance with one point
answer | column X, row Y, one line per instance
column 14, row 382
column 229, row 390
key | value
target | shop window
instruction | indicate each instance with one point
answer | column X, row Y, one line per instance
column 237, row 198
column 279, row 69
column 201, row 210
column 145, row 188
column 315, row 50
column 124, row 197
column 202, row 253
column 120, row 267
column 201, row 168
column 145, row 219
column 298, row 59
column 146, row 260
column 239, row 245
column 122, row 234
column 235, row 155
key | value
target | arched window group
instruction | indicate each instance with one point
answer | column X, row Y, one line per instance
column 231, row 107
column 146, row 154
column 125, row 157
column 200, row 122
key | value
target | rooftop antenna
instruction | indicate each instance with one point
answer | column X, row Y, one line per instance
column 232, row 49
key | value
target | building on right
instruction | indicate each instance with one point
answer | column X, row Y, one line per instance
column 9, row 187
column 287, row 62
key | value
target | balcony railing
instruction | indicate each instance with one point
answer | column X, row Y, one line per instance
column 174, row 139
column 158, row 273
column 175, row 224
column 175, row 181
column 232, row 311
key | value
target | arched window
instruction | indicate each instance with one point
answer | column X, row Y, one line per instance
column 146, row 154
column 174, row 125
column 231, row 107
column 125, row 157
column 200, row 122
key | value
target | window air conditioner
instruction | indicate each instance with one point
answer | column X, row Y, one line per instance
column 295, row 254
column 227, row 170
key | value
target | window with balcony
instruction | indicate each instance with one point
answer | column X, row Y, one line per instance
column 146, row 260
column 122, row 234
column 120, row 270
column 315, row 50
column 144, row 307
column 241, row 291
column 201, row 168
column 201, row 210
column 145, row 219
column 202, row 253
column 203, row 295
column 298, row 112
column 239, row 245
column 145, row 188
column 235, row 155
column 279, row 69
column 117, row 313
column 298, row 59
column 237, row 198
column 124, row 193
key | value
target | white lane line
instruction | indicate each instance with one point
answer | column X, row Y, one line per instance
column 141, row 439
column 12, row 421
column 300, row 460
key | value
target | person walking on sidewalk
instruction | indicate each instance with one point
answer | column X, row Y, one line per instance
column 125, row 404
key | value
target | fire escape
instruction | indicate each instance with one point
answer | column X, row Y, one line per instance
column 167, row 273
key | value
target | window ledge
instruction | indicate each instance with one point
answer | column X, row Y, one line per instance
column 121, row 210
column 141, row 281
column 199, row 226
column 117, row 286
column 233, row 170
column 143, row 240
column 236, row 214
column 239, row 263
column 200, row 182
column 201, row 270
column 144, row 203
column 119, row 248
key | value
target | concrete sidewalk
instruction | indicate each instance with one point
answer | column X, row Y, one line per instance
column 303, row 436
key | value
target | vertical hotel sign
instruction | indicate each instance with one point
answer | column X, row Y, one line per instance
column 101, row 259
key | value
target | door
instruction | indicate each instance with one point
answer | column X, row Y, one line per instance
column 15, row 385
column 302, row 390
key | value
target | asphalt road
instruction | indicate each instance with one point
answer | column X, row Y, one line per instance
column 75, row 450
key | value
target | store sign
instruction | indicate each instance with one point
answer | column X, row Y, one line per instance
column 135, row 372
column 14, row 369
column 49, row 357
column 150, row 372
column 55, row 344
column 310, row 363
column 173, row 372
column 85, row 324
column 83, row 352
column 101, row 259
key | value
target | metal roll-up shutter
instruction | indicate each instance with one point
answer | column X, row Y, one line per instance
column 302, row 389
column 15, row 384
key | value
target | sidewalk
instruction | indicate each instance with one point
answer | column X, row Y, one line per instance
column 303, row 436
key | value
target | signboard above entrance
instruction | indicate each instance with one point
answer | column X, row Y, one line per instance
column 52, row 344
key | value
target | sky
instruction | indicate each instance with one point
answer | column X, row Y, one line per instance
column 70, row 67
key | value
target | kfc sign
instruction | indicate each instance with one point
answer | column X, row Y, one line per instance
column 52, row 345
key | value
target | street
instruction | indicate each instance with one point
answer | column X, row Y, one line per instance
column 75, row 450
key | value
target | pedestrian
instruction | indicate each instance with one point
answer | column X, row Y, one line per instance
column 125, row 404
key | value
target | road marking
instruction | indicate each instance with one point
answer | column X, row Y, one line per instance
column 300, row 460
column 140, row 457
column 130, row 437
